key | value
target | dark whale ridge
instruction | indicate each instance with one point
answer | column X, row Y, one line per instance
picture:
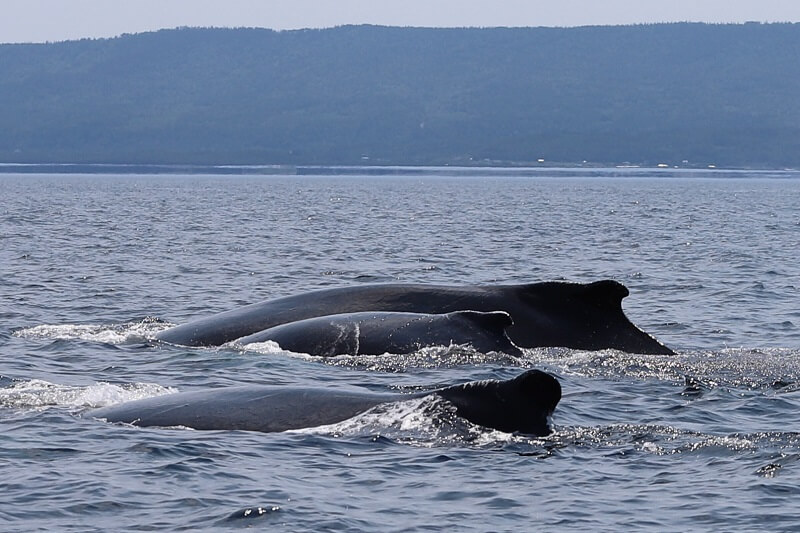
column 521, row 404
column 379, row 332
column 496, row 321
column 493, row 403
column 573, row 315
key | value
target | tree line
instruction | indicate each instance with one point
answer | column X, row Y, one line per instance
column 677, row 94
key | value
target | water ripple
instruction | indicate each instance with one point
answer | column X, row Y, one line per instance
column 705, row 439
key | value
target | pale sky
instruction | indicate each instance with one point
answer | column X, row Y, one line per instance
column 58, row 20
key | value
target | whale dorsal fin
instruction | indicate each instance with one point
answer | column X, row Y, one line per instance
column 604, row 293
column 520, row 404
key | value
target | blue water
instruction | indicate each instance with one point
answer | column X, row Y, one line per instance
column 706, row 440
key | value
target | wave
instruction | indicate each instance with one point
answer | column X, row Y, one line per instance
column 429, row 357
column 38, row 393
column 659, row 440
column 125, row 333
column 769, row 368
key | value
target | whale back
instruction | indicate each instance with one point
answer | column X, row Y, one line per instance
column 583, row 316
column 379, row 332
column 520, row 404
column 261, row 408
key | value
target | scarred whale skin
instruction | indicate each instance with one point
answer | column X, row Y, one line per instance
column 521, row 404
column 379, row 332
column 572, row 315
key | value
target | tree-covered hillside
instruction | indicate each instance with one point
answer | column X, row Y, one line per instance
column 721, row 94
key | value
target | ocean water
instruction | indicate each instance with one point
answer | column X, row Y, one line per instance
column 705, row 440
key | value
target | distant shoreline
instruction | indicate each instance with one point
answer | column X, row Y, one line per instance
column 393, row 170
column 664, row 95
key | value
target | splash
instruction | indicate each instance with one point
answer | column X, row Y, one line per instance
column 773, row 368
column 453, row 355
column 427, row 422
column 266, row 347
column 41, row 394
column 129, row 332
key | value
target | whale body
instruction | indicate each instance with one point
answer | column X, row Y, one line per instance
column 521, row 404
column 379, row 332
column 572, row 315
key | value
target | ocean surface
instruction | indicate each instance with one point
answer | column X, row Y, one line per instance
column 92, row 266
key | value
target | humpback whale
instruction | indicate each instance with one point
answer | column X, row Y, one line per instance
column 378, row 332
column 521, row 404
column 573, row 315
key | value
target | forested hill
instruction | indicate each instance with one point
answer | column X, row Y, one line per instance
column 666, row 93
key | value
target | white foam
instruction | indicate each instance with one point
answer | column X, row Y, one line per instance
column 752, row 368
column 38, row 393
column 269, row 348
column 404, row 415
column 727, row 442
column 106, row 333
column 266, row 347
column 427, row 421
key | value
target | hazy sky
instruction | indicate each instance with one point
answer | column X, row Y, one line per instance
column 57, row 20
